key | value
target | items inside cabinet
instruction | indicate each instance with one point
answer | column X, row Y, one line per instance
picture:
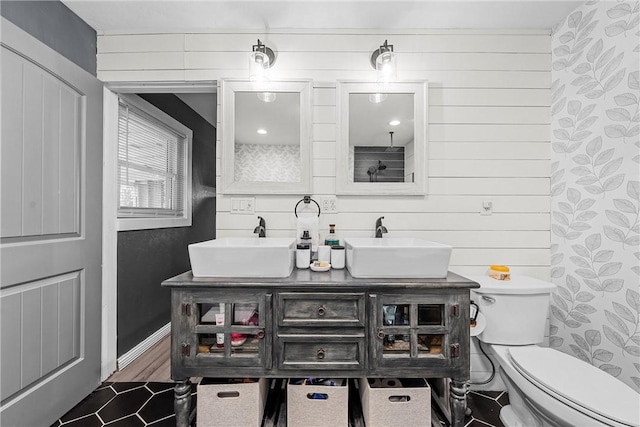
column 243, row 328
column 412, row 330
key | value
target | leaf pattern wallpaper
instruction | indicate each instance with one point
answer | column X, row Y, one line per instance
column 267, row 163
column 595, row 189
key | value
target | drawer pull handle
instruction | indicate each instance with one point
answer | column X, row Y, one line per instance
column 381, row 334
column 322, row 310
column 320, row 353
column 260, row 334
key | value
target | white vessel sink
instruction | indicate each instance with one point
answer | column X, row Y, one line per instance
column 390, row 257
column 243, row 257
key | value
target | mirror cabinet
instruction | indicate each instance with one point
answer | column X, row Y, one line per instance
column 382, row 138
column 266, row 137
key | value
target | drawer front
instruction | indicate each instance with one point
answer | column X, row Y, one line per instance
column 318, row 352
column 320, row 309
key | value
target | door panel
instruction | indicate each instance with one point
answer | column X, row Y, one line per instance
column 41, row 157
column 50, row 231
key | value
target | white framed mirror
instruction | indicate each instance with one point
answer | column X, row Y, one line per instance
column 381, row 147
column 266, row 137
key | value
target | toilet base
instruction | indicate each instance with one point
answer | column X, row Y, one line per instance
column 531, row 406
column 509, row 418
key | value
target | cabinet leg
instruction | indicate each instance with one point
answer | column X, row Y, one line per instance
column 182, row 402
column 458, row 402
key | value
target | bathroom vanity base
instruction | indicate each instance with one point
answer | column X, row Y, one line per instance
column 319, row 324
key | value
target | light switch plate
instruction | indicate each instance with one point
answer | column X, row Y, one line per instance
column 243, row 205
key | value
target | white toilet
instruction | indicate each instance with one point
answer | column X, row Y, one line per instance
column 546, row 387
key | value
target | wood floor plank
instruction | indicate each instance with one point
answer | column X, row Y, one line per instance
column 153, row 365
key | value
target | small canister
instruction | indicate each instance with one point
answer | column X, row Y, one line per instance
column 337, row 257
column 324, row 253
column 303, row 255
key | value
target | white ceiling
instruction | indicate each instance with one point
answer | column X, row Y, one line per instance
column 206, row 15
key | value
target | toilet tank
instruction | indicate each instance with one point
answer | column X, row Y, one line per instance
column 515, row 310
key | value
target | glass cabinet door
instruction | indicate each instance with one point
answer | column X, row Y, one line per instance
column 231, row 332
column 413, row 332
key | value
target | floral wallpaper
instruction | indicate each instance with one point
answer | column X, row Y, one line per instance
column 267, row 163
column 595, row 189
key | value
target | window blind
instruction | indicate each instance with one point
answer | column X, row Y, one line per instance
column 151, row 165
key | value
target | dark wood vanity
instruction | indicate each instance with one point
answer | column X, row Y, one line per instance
column 321, row 324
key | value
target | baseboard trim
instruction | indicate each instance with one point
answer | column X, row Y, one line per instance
column 145, row 345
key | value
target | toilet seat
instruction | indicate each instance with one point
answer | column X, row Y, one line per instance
column 578, row 384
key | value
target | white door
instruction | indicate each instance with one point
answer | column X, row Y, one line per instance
column 50, row 231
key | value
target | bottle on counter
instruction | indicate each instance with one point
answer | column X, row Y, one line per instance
column 332, row 238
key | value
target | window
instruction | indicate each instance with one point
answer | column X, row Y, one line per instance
column 154, row 167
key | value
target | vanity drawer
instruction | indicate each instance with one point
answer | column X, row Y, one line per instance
column 321, row 352
column 321, row 309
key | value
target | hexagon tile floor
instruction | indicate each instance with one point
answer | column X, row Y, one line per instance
column 151, row 404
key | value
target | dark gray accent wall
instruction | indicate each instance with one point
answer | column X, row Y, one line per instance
column 147, row 257
column 55, row 25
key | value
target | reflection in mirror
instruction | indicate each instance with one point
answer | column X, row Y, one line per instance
column 381, row 137
column 267, row 137
column 381, row 147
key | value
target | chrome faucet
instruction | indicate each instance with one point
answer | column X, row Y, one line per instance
column 261, row 229
column 380, row 229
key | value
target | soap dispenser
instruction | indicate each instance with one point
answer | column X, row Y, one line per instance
column 303, row 251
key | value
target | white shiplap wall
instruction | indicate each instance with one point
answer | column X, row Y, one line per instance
column 488, row 132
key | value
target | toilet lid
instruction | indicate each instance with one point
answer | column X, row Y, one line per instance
column 579, row 384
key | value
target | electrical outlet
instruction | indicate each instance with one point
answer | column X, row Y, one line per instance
column 486, row 208
column 329, row 204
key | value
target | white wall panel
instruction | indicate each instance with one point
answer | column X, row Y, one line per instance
column 439, row 95
column 489, row 186
column 141, row 43
column 489, row 168
column 433, row 203
column 493, row 115
column 352, row 41
column 142, row 60
column 489, row 150
column 489, row 131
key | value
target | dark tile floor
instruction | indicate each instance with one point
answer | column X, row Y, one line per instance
column 485, row 408
column 151, row 404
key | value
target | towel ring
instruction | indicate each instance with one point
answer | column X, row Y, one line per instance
column 306, row 200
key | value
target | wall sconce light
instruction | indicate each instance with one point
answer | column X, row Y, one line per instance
column 262, row 58
column 383, row 60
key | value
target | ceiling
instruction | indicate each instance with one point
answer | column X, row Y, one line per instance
column 207, row 15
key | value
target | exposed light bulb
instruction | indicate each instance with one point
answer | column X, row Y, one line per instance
column 259, row 67
column 262, row 131
column 394, row 122
column 385, row 67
